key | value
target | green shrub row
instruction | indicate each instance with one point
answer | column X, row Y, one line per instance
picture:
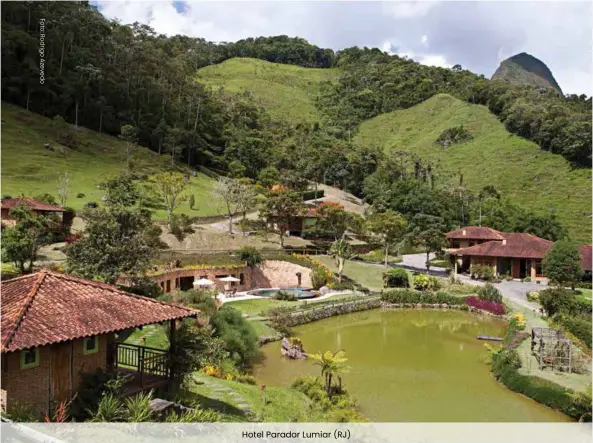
column 505, row 365
column 413, row 296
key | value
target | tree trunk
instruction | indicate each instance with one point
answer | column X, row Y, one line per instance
column 28, row 95
column 230, row 223
column 427, row 262
column 386, row 254
column 340, row 269
column 101, row 121
column 76, row 116
column 62, row 56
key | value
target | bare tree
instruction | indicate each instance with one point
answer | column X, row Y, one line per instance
column 246, row 198
column 63, row 187
column 228, row 195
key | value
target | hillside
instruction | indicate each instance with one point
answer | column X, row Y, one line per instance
column 286, row 91
column 525, row 69
column 30, row 169
column 538, row 180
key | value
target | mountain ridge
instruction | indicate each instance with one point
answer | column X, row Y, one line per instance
column 525, row 69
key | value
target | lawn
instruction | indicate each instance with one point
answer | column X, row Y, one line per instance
column 585, row 294
column 155, row 336
column 287, row 92
column 256, row 307
column 30, row 169
column 369, row 276
column 517, row 168
column 233, row 399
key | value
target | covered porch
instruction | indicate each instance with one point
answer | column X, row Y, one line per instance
column 145, row 367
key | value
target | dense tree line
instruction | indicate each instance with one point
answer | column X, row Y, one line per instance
column 373, row 82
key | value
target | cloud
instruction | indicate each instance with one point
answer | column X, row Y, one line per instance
column 476, row 35
column 401, row 10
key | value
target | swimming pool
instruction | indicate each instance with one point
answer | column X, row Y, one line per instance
column 301, row 293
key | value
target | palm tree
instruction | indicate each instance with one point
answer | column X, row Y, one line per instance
column 332, row 365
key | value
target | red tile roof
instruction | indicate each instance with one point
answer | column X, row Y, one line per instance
column 47, row 307
column 476, row 233
column 585, row 251
column 517, row 245
column 10, row 203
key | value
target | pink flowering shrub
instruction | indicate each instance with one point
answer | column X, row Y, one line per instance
column 490, row 306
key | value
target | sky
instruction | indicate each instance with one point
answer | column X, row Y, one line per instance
column 478, row 35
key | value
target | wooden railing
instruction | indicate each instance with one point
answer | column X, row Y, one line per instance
column 142, row 359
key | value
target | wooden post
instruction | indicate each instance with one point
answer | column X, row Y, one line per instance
column 141, row 366
column 172, row 347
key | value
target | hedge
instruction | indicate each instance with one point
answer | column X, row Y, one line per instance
column 505, row 369
column 413, row 296
column 312, row 195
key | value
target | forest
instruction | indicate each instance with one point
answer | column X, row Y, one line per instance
column 104, row 76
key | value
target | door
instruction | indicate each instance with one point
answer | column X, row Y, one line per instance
column 61, row 356
column 516, row 269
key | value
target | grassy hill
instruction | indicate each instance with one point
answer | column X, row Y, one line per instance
column 518, row 168
column 286, row 91
column 30, row 169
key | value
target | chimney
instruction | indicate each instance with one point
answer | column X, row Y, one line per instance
column 464, row 232
column 504, row 241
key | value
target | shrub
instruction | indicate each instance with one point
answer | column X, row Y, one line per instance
column 579, row 327
column 452, row 136
column 558, row 300
column 482, row 272
column 91, row 205
column 284, row 295
column 319, row 278
column 490, row 306
column 80, row 195
column 93, row 387
column 413, row 296
column 239, row 337
column 250, row 255
column 517, row 322
column 585, row 285
column 489, row 293
column 421, row 282
column 396, row 278
column 532, row 296
column 72, row 237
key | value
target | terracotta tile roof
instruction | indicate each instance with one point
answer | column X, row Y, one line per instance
column 47, row 307
column 36, row 205
column 517, row 245
column 475, row 232
column 585, row 251
column 314, row 210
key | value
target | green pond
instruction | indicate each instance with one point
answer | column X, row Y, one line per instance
column 411, row 365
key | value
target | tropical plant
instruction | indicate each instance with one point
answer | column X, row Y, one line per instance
column 194, row 415
column 138, row 408
column 332, row 367
column 110, row 409
column 341, row 251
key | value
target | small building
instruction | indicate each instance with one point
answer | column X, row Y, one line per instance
column 509, row 253
column 38, row 207
column 300, row 223
column 56, row 327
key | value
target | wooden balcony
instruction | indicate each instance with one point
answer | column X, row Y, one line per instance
column 147, row 368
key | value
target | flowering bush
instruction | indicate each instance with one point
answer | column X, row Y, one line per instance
column 490, row 306
column 72, row 238
column 211, row 370
column 518, row 321
column 533, row 296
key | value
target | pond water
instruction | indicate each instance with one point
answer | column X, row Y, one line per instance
column 411, row 365
column 300, row 293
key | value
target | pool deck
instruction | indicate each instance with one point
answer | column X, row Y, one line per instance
column 245, row 296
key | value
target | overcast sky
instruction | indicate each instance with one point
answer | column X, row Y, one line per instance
column 476, row 35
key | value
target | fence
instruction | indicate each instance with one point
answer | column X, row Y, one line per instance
column 143, row 359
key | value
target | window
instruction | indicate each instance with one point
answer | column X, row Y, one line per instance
column 90, row 345
column 30, row 358
column 455, row 244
